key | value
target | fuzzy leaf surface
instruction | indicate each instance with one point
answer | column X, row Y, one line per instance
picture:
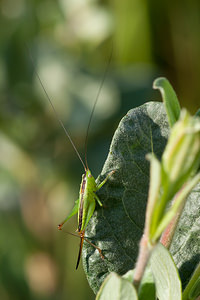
column 185, row 247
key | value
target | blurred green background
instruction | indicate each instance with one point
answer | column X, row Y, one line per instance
column 70, row 42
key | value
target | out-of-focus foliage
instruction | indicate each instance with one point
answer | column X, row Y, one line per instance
column 70, row 41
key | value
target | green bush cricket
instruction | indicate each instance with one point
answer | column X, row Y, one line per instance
column 85, row 204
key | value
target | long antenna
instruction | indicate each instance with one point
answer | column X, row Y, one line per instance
column 54, row 110
column 95, row 103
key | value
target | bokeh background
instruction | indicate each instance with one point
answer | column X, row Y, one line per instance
column 70, row 42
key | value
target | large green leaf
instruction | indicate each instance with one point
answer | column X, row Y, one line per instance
column 170, row 99
column 117, row 228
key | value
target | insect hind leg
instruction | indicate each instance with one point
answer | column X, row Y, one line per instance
column 98, row 200
column 93, row 245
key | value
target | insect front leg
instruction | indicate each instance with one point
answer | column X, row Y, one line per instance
column 73, row 212
column 97, row 199
column 104, row 181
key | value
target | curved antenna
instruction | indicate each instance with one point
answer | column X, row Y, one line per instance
column 95, row 103
column 55, row 112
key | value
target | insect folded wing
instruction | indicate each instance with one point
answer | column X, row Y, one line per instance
column 90, row 212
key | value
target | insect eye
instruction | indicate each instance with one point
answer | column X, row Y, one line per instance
column 89, row 175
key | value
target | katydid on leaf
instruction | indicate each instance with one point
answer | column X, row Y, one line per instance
column 86, row 203
column 85, row 206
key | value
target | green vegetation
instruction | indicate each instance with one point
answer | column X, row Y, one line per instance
column 39, row 172
column 120, row 225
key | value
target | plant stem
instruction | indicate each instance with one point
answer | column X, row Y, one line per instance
column 143, row 258
column 168, row 233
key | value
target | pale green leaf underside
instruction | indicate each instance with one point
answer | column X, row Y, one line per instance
column 147, row 288
column 115, row 287
column 168, row 284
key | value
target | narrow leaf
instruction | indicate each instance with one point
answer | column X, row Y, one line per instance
column 155, row 180
column 170, row 99
column 192, row 290
column 180, row 199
